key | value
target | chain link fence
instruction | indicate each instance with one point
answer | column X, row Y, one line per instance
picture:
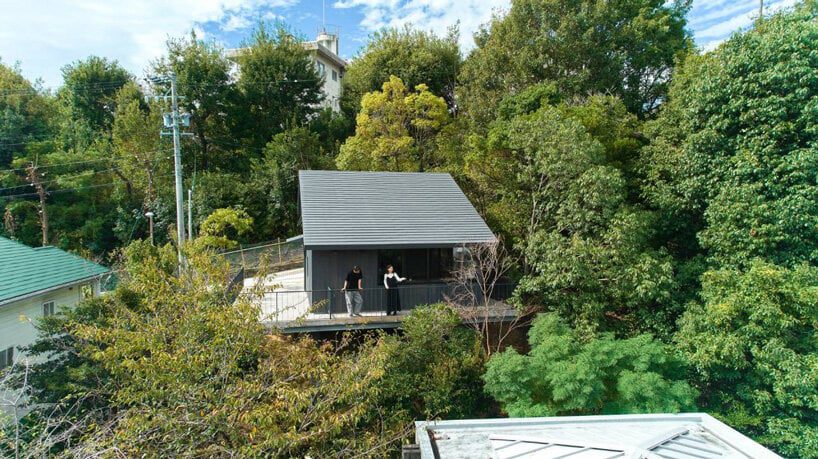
column 274, row 255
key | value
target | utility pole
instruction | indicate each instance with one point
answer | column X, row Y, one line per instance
column 761, row 9
column 37, row 184
column 172, row 120
column 190, row 213
column 177, row 164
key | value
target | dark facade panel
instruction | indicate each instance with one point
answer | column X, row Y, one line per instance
column 357, row 210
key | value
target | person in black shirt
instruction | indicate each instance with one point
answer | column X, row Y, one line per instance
column 353, row 284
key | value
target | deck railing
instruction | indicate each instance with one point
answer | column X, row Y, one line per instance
column 287, row 306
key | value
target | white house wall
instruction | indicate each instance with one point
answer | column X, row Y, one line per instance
column 17, row 319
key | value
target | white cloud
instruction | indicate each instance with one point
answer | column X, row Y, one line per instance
column 434, row 15
column 45, row 36
column 236, row 22
column 720, row 19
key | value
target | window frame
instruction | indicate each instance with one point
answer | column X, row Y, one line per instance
column 49, row 308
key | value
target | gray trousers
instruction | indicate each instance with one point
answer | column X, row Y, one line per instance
column 354, row 301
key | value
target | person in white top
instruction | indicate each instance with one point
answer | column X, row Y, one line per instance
column 390, row 281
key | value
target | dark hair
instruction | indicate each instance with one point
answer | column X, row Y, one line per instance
column 356, row 268
column 390, row 266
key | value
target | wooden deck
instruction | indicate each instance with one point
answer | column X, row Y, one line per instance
column 497, row 312
column 288, row 308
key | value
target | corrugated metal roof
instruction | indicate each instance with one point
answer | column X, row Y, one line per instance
column 386, row 210
column 25, row 270
column 649, row 436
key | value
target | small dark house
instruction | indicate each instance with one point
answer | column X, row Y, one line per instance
column 417, row 222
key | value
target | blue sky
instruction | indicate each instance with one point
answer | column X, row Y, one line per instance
column 45, row 35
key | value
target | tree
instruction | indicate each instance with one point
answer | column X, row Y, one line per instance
column 415, row 56
column 223, row 228
column 562, row 374
column 89, row 91
column 396, row 130
column 558, row 195
column 183, row 369
column 277, row 174
column 203, row 78
column 623, row 48
column 279, row 86
column 731, row 148
column 138, row 151
column 26, row 114
column 433, row 369
column 751, row 339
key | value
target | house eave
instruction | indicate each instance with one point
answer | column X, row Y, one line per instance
column 399, row 245
column 49, row 289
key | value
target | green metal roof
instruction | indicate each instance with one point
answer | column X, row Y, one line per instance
column 25, row 270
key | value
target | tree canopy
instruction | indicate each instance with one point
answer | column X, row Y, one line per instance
column 562, row 375
column 415, row 56
column 396, row 130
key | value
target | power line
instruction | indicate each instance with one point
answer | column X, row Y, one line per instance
column 46, row 166
column 61, row 178
column 66, row 190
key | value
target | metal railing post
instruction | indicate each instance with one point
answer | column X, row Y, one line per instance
column 329, row 301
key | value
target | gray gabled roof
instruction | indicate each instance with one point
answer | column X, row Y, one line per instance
column 632, row 436
column 347, row 210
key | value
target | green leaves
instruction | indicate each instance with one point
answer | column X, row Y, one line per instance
column 584, row 47
column 563, row 374
column 734, row 146
column 397, row 130
column 415, row 56
column 754, row 344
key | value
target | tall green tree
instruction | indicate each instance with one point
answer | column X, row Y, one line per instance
column 26, row 114
column 556, row 179
column 563, row 374
column 89, row 91
column 397, row 129
column 414, row 56
column 754, row 344
column 279, row 87
column 203, row 78
column 140, row 161
column 732, row 152
column 624, row 48
column 277, row 174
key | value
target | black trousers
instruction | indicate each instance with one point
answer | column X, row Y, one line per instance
column 392, row 300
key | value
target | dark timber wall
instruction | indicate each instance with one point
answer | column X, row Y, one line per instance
column 330, row 267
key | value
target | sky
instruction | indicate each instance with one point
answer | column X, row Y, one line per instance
column 42, row 36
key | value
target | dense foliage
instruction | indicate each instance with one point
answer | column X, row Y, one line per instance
column 414, row 56
column 562, row 374
column 660, row 204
